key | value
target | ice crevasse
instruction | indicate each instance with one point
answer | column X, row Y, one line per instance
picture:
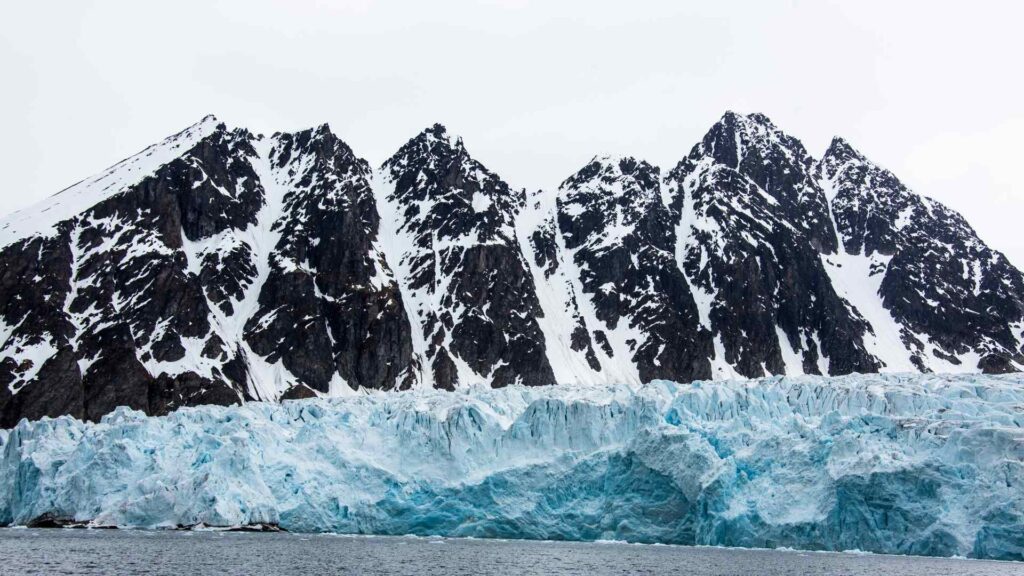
column 920, row 464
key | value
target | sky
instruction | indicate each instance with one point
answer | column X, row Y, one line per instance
column 932, row 90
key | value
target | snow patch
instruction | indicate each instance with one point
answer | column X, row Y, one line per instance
column 42, row 218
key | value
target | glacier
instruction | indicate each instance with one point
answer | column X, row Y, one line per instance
column 906, row 464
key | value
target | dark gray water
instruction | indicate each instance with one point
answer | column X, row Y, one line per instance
column 115, row 552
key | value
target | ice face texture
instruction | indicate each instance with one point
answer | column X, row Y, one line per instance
column 919, row 464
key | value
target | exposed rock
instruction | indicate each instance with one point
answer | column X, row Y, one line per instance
column 219, row 267
column 954, row 299
column 750, row 234
column 471, row 294
column 622, row 240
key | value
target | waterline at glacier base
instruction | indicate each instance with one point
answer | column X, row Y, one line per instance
column 915, row 464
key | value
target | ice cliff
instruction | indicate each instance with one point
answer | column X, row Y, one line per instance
column 919, row 464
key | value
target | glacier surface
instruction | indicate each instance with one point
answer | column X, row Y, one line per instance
column 922, row 464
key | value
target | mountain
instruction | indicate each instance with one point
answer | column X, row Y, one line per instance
column 951, row 301
column 473, row 304
column 220, row 266
column 614, row 243
column 752, row 221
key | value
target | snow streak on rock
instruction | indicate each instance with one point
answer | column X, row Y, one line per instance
column 751, row 223
column 955, row 303
column 471, row 296
column 219, row 266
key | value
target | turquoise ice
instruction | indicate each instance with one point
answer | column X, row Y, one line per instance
column 920, row 464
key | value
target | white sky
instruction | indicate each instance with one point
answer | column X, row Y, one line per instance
column 932, row 90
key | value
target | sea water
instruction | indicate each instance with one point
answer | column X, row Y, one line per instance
column 197, row 553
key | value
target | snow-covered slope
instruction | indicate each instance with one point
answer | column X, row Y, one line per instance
column 451, row 234
column 941, row 299
column 751, row 224
column 43, row 217
column 243, row 267
column 897, row 464
column 220, row 266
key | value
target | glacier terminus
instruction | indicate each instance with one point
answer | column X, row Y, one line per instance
column 906, row 464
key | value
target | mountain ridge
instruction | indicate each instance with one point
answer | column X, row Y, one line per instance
column 220, row 266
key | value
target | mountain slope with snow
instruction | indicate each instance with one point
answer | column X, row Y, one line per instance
column 614, row 240
column 957, row 304
column 473, row 302
column 220, row 266
column 751, row 224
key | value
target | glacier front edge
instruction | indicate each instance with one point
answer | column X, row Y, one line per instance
column 921, row 464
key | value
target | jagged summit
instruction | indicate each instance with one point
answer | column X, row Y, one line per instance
column 441, row 189
column 950, row 299
column 630, row 299
column 204, row 123
column 437, row 130
column 750, row 155
column 612, row 193
column 472, row 301
column 42, row 218
column 840, row 148
column 609, row 167
column 322, row 130
column 735, row 135
column 434, row 140
column 751, row 122
column 218, row 266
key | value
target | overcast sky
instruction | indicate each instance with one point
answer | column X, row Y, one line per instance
column 932, row 90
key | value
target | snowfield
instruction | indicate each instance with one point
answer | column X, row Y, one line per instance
column 920, row 464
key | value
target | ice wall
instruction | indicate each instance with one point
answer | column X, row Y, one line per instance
column 917, row 464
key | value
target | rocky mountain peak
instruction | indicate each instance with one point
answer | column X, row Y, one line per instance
column 840, row 150
column 610, row 195
column 776, row 165
column 217, row 266
column 323, row 150
column 436, row 130
column 947, row 299
column 473, row 304
column 432, row 146
column 207, row 123
column 608, row 169
column 738, row 139
column 442, row 189
column 627, row 297
column 44, row 217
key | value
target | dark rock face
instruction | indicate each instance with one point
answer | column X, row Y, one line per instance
column 750, row 238
column 543, row 243
column 219, row 266
column 38, row 372
column 778, row 165
column 330, row 306
column 951, row 294
column 122, row 306
column 622, row 240
column 164, row 292
column 470, row 290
